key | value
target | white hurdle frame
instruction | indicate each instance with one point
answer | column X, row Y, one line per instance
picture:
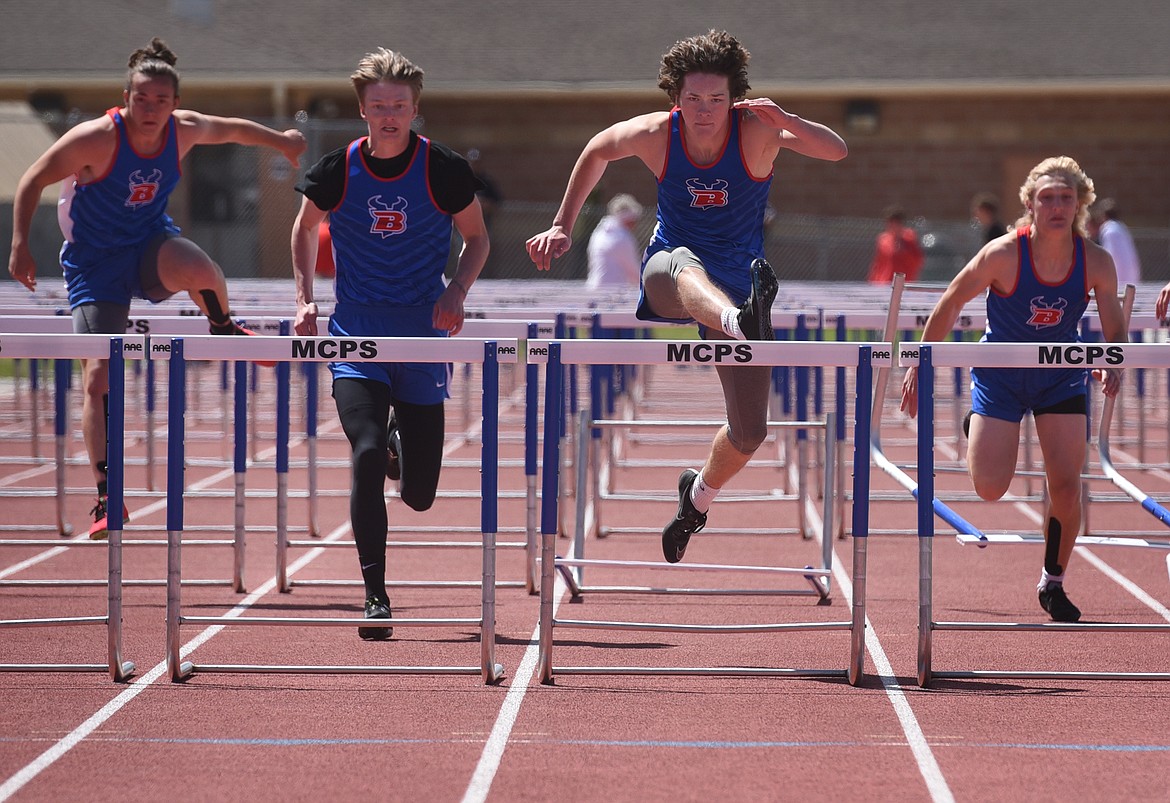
column 115, row 349
column 286, row 350
column 862, row 356
column 927, row 356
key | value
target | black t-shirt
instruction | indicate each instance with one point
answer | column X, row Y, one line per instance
column 452, row 181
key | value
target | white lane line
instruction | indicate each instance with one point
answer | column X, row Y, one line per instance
column 493, row 751
column 936, row 783
column 71, row 740
column 136, row 687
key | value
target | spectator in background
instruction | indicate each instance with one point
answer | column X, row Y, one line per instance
column 896, row 250
column 1107, row 229
column 615, row 260
column 985, row 211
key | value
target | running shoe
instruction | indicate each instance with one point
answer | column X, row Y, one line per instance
column 755, row 314
column 686, row 522
column 100, row 529
column 236, row 329
column 1053, row 600
column 377, row 608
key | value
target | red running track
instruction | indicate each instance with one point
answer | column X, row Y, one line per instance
column 613, row 737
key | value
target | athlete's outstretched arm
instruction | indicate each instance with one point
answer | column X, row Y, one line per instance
column 639, row 137
column 86, row 147
column 207, row 129
column 795, row 133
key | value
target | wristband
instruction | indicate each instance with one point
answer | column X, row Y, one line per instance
column 459, row 284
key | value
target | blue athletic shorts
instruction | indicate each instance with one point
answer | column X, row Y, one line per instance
column 115, row 275
column 1009, row 393
column 415, row 382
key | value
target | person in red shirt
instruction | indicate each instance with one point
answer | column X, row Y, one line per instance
column 896, row 251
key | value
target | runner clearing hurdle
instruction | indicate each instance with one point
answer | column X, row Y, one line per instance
column 712, row 155
column 391, row 198
column 1037, row 279
column 118, row 172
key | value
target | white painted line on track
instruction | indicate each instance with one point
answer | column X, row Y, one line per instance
column 71, row 740
column 493, row 751
column 936, row 783
column 137, row 686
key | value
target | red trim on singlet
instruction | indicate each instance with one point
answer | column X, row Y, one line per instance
column 405, row 170
column 666, row 157
column 743, row 159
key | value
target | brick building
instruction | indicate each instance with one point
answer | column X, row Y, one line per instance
column 936, row 101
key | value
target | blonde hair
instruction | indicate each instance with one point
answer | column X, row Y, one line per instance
column 155, row 60
column 386, row 65
column 1064, row 167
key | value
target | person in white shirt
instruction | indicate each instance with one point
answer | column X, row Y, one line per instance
column 1114, row 237
column 615, row 260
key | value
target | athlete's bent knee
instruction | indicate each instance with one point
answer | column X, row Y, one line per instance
column 747, row 442
column 418, row 500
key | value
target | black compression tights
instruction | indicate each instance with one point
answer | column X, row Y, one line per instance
column 364, row 409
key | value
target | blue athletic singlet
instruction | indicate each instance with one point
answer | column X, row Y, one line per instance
column 1034, row 311
column 391, row 243
column 715, row 210
column 109, row 220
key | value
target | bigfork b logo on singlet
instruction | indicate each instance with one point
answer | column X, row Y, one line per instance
column 1045, row 315
column 387, row 220
column 706, row 196
column 143, row 190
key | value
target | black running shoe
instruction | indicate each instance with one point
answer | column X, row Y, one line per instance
column 377, row 608
column 394, row 453
column 755, row 314
column 685, row 523
column 1053, row 600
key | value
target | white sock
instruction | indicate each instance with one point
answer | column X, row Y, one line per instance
column 702, row 494
column 729, row 320
column 1046, row 579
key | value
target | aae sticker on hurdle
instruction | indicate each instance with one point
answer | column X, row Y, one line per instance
column 860, row 356
column 285, row 351
column 928, row 356
column 66, row 348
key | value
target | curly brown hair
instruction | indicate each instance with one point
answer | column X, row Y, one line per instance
column 715, row 53
column 155, row 60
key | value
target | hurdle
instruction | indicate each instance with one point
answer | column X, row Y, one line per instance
column 1033, row 355
column 285, row 351
column 650, row 352
column 508, row 334
column 598, row 443
column 65, row 348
